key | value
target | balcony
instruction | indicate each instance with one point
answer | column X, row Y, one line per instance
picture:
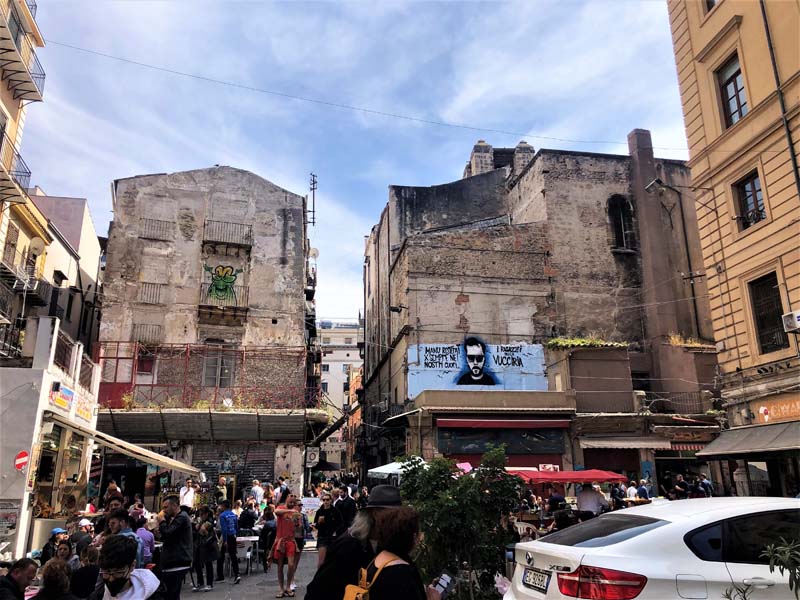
column 685, row 403
column 223, row 304
column 15, row 176
column 226, row 234
column 32, row 7
column 148, row 333
column 6, row 304
column 154, row 229
column 20, row 274
column 10, row 341
column 21, row 68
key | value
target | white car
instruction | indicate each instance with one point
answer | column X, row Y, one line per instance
column 696, row 548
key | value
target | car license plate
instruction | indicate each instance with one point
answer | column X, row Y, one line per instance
column 536, row 579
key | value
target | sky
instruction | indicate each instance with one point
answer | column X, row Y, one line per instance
column 583, row 71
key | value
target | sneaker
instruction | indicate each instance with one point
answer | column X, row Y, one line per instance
column 237, row 580
column 197, row 588
column 293, row 587
column 208, row 588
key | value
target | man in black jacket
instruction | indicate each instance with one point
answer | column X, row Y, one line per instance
column 22, row 573
column 347, row 508
column 175, row 530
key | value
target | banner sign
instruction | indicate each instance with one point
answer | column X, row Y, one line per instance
column 476, row 366
column 84, row 409
column 63, row 398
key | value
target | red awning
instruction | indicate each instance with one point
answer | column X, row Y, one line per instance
column 586, row 476
column 503, row 423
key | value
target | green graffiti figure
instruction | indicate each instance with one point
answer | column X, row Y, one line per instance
column 222, row 280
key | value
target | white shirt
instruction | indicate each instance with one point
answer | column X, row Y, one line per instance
column 258, row 493
column 187, row 496
column 631, row 492
column 590, row 500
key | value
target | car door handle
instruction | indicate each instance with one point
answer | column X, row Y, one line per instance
column 758, row 582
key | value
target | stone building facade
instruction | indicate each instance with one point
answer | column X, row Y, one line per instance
column 204, row 324
column 497, row 305
column 738, row 67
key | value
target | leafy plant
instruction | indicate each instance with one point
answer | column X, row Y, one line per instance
column 676, row 339
column 737, row 592
column 461, row 520
column 565, row 343
column 785, row 556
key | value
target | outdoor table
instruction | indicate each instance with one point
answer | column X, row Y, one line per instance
column 252, row 540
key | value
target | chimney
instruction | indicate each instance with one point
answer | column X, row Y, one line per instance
column 523, row 154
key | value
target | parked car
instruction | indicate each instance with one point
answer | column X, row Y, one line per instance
column 695, row 548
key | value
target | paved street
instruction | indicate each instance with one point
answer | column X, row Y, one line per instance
column 258, row 585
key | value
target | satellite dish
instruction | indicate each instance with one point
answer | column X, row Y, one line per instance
column 313, row 253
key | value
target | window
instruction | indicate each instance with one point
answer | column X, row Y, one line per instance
column 706, row 543
column 218, row 370
column 750, row 201
column 731, row 85
column 765, row 297
column 621, row 217
column 710, row 4
column 345, row 368
column 604, row 531
column 348, row 341
column 324, row 387
column 145, row 361
column 70, row 302
column 326, row 340
column 346, row 387
column 326, row 368
column 746, row 538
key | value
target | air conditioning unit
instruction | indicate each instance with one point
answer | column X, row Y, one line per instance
column 791, row 322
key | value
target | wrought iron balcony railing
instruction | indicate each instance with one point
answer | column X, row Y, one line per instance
column 63, row 354
column 10, row 341
column 223, row 232
column 87, row 370
column 21, row 66
column 32, row 7
column 222, row 295
column 6, row 301
column 696, row 402
column 148, row 333
column 13, row 164
column 150, row 293
column 155, row 229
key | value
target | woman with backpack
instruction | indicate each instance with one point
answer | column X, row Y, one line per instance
column 206, row 550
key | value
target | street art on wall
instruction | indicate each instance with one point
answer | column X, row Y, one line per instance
column 223, row 279
column 475, row 365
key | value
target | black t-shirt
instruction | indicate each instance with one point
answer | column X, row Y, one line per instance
column 247, row 519
column 396, row 582
column 84, row 580
column 332, row 523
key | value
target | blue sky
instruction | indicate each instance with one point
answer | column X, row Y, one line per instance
column 576, row 70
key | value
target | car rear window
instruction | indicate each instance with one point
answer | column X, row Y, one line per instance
column 604, row 530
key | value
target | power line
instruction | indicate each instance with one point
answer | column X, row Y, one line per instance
column 340, row 105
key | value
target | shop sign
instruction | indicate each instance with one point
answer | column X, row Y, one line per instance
column 84, row 409
column 549, row 467
column 333, row 446
column 777, row 410
column 63, row 398
column 9, row 514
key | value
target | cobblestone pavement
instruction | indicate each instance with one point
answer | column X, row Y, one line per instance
column 258, row 585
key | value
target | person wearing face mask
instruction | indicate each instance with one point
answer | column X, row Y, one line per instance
column 121, row 580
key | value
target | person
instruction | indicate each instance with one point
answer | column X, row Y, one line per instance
column 55, row 580
column 555, row 501
column 591, row 501
column 49, row 549
column 327, row 521
column 681, row 487
column 267, row 534
column 83, row 536
column 249, row 516
column 257, row 491
column 353, row 550
column 119, row 524
column 705, row 482
column 229, row 527
column 237, row 508
column 119, row 577
column 18, row 578
column 91, row 505
column 84, row 580
column 632, row 490
column 361, row 498
column 148, row 541
column 475, row 351
column 617, row 496
column 347, row 507
column 65, row 552
column 186, row 496
column 392, row 572
column 642, row 492
column 112, row 491
column 175, row 530
column 285, row 547
column 206, row 551
column 281, row 490
column 113, row 504
column 301, row 528
column 221, row 491
column 269, row 495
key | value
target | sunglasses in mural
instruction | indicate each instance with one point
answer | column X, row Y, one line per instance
column 222, row 280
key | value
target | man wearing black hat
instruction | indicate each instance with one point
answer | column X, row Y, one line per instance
column 352, row 550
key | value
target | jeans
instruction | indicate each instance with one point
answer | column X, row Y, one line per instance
column 228, row 547
column 208, row 567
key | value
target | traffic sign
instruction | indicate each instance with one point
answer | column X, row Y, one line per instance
column 21, row 460
column 334, row 446
column 312, row 456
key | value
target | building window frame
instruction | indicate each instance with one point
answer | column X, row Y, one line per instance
column 747, row 191
column 325, row 368
column 727, row 75
column 757, row 356
column 219, row 368
column 731, row 200
column 621, row 220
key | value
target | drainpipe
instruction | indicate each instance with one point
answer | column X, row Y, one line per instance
column 781, row 99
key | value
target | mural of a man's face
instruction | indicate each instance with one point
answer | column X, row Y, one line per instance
column 475, row 360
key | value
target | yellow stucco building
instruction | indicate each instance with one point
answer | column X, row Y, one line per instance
column 738, row 65
column 23, row 228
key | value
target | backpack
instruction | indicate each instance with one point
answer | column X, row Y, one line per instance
column 361, row 591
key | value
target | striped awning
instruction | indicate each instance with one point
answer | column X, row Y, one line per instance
column 694, row 447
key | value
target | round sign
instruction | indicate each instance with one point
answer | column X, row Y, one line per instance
column 21, row 460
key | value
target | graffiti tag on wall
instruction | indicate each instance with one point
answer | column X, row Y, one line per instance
column 476, row 364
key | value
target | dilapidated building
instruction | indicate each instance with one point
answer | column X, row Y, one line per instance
column 552, row 301
column 204, row 335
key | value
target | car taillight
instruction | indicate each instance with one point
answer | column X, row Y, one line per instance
column 601, row 584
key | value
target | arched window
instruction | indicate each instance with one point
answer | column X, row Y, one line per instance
column 620, row 214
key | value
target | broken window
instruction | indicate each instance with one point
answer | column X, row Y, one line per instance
column 620, row 214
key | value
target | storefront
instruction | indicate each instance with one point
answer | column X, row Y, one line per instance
column 758, row 460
